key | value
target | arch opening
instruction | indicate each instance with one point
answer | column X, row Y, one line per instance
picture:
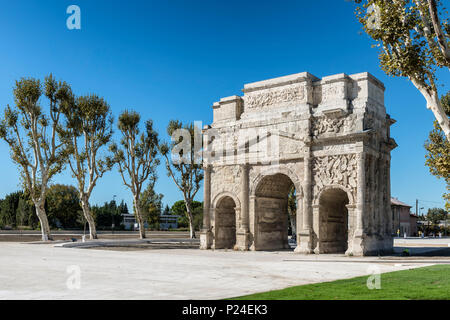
column 333, row 227
column 274, row 205
column 225, row 223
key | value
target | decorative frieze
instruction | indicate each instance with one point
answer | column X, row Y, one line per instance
column 335, row 170
column 333, row 125
column 274, row 96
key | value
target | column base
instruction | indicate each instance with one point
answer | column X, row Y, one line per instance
column 242, row 240
column 355, row 247
column 206, row 239
column 304, row 242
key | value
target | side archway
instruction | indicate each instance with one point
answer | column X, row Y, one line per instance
column 333, row 217
column 350, row 196
column 226, row 208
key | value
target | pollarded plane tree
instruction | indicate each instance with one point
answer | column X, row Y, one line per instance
column 184, row 167
column 413, row 36
column 86, row 131
column 438, row 152
column 137, row 160
column 31, row 136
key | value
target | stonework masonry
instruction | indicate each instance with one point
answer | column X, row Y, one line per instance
column 328, row 138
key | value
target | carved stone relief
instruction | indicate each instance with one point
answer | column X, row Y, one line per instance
column 317, row 129
column 274, row 96
column 335, row 170
column 330, row 125
column 226, row 179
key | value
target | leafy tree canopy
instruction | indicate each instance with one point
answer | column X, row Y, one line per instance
column 179, row 209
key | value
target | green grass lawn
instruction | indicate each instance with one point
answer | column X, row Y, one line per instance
column 421, row 283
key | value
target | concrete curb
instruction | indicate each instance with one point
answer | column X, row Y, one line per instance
column 124, row 242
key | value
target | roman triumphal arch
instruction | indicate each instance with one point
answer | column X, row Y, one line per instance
column 326, row 141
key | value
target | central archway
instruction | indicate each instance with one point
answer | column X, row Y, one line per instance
column 271, row 212
column 333, row 215
column 225, row 223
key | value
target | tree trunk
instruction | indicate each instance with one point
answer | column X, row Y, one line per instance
column 140, row 220
column 191, row 222
column 434, row 104
column 89, row 218
column 42, row 215
column 439, row 113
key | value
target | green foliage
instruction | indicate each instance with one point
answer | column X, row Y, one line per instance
column 185, row 168
column 63, row 206
column 108, row 214
column 292, row 201
column 438, row 151
column 17, row 211
column 151, row 205
column 179, row 209
column 435, row 215
column 413, row 36
column 25, row 213
column 30, row 132
column 8, row 208
column 122, row 208
column 136, row 157
column 403, row 30
column 88, row 128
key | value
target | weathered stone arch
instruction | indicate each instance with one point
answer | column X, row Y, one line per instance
column 269, row 201
column 335, row 186
column 321, row 135
column 333, row 220
column 226, row 210
column 281, row 169
column 224, row 194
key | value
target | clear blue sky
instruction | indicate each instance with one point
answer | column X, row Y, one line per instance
column 173, row 59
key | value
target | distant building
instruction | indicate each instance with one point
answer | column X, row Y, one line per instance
column 168, row 221
column 128, row 221
column 403, row 219
column 413, row 219
column 444, row 223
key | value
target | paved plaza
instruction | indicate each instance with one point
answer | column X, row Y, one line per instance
column 42, row 271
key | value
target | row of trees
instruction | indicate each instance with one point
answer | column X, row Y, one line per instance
column 63, row 208
column 76, row 132
column 437, row 221
column 62, row 205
